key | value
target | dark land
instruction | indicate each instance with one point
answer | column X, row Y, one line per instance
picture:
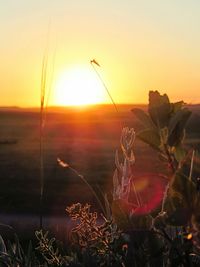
column 86, row 139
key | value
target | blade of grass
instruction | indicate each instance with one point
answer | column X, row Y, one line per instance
column 191, row 165
column 66, row 165
column 42, row 105
column 92, row 62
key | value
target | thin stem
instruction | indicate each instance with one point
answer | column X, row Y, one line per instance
column 136, row 194
column 42, row 101
column 170, row 160
column 65, row 165
column 104, row 85
column 191, row 165
column 165, row 235
column 164, row 197
column 90, row 187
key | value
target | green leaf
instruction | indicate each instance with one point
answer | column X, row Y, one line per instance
column 178, row 216
column 159, row 108
column 164, row 135
column 180, row 117
column 177, row 125
column 177, row 106
column 180, row 200
column 186, row 189
column 2, row 245
column 196, row 213
column 150, row 137
column 179, row 153
column 143, row 117
column 29, row 254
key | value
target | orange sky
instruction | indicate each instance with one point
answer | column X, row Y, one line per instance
column 141, row 45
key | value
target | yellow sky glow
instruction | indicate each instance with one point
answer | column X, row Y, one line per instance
column 78, row 85
column 140, row 45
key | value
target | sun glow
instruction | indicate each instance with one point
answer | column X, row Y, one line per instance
column 78, row 86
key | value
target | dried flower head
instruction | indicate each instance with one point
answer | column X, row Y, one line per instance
column 123, row 172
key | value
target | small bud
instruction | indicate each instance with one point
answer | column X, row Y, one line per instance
column 189, row 236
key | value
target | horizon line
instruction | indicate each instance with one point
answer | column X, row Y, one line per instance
column 70, row 106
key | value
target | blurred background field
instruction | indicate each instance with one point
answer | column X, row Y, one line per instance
column 86, row 139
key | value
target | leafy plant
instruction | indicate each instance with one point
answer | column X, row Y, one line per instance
column 123, row 208
column 164, row 128
column 101, row 243
column 103, row 201
column 50, row 252
column 13, row 255
column 128, row 234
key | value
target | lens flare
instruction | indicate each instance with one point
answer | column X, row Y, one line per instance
column 150, row 189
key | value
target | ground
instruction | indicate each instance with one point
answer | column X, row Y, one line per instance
column 86, row 139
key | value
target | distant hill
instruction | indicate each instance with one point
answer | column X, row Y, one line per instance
column 106, row 107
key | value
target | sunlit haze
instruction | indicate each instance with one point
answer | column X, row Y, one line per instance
column 141, row 45
column 78, row 85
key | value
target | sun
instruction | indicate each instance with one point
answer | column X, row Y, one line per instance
column 78, row 86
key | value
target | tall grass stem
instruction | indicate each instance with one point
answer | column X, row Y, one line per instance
column 65, row 165
column 42, row 105
column 92, row 62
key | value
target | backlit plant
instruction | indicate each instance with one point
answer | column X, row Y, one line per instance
column 130, row 232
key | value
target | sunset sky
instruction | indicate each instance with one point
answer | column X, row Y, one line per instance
column 141, row 45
